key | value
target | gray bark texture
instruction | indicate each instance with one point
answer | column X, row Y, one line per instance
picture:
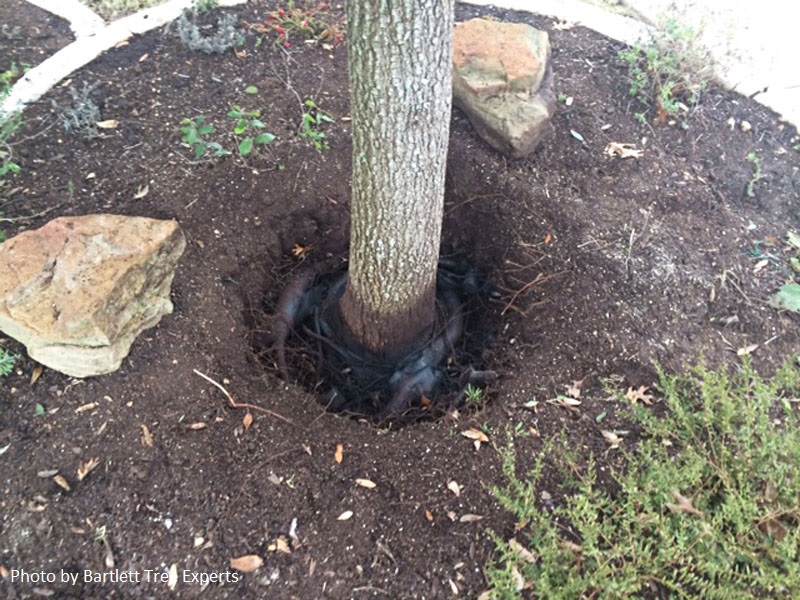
column 400, row 60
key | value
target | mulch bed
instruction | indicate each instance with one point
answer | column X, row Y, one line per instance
column 605, row 266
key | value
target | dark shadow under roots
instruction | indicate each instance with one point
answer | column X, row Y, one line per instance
column 307, row 344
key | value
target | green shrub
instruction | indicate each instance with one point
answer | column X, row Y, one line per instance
column 708, row 506
column 669, row 71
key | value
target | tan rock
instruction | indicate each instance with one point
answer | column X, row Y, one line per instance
column 491, row 57
column 502, row 82
column 79, row 290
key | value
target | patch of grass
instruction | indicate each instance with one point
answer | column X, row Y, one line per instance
column 311, row 127
column 757, row 175
column 708, row 506
column 8, row 361
column 669, row 71
column 309, row 21
column 112, row 9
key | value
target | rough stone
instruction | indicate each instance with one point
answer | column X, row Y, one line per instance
column 503, row 83
column 79, row 290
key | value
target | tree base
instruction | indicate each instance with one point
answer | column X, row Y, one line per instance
column 430, row 377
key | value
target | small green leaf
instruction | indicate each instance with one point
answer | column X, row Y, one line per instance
column 199, row 150
column 325, row 118
column 190, row 136
column 794, row 239
column 246, row 146
column 217, row 149
column 205, row 130
column 257, row 124
column 251, row 89
column 788, row 297
column 39, row 410
column 264, row 139
column 241, row 127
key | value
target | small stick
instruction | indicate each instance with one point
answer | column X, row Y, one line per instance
column 235, row 404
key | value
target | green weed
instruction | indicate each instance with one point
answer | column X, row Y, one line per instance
column 474, row 396
column 757, row 175
column 8, row 361
column 9, row 124
column 313, row 119
column 708, row 506
column 195, row 133
column 247, row 129
column 669, row 71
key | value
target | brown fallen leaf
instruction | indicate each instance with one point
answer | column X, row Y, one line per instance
column 468, row 518
column 197, row 426
column 247, row 563
column 623, row 150
column 684, row 505
column 453, row 587
column 477, row 437
column 366, row 483
column 521, row 551
column 747, row 350
column 454, row 487
column 247, row 420
column 574, row 389
column 773, row 527
column 37, row 372
column 62, row 483
column 612, row 439
column 172, row 577
column 302, row 252
column 280, row 545
column 141, row 192
column 86, row 407
column 429, row 515
column 639, row 394
column 338, row 456
column 85, row 468
column 147, row 437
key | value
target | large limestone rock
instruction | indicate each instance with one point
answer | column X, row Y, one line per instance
column 79, row 290
column 502, row 81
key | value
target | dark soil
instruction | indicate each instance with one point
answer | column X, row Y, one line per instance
column 605, row 266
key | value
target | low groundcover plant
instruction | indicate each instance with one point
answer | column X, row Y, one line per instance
column 707, row 507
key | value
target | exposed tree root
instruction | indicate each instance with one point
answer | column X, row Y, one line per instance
column 354, row 380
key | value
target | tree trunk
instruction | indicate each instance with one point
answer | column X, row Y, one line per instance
column 400, row 59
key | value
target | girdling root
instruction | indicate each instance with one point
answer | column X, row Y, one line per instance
column 356, row 381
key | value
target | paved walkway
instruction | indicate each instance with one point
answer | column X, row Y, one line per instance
column 752, row 42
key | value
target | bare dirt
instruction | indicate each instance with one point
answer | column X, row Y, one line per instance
column 605, row 265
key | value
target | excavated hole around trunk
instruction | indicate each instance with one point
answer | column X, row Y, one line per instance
column 444, row 373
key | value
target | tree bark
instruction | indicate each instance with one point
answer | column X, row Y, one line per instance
column 400, row 60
